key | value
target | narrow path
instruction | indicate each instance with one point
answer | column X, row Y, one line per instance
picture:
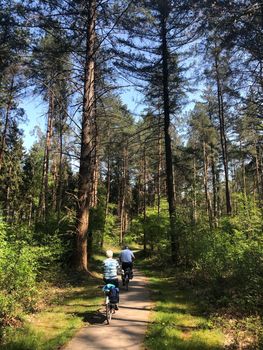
column 128, row 325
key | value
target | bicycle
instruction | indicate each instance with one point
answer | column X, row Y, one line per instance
column 110, row 306
column 126, row 277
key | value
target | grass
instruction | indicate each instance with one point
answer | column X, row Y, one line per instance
column 73, row 304
column 179, row 322
column 189, row 314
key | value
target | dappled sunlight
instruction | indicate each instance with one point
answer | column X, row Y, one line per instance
column 127, row 327
column 178, row 323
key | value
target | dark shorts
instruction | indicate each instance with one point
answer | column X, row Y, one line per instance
column 114, row 281
column 125, row 265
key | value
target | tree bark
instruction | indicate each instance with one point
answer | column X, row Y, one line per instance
column 159, row 168
column 43, row 196
column 259, row 174
column 194, row 218
column 123, row 193
column 106, row 200
column 95, row 164
column 215, row 203
column 223, row 140
column 6, row 123
column 85, row 169
column 144, row 199
column 60, row 171
column 207, row 196
column 167, row 137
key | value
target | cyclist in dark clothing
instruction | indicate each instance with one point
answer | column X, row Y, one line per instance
column 126, row 259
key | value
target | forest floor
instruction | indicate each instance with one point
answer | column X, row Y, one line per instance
column 186, row 316
column 62, row 311
column 181, row 317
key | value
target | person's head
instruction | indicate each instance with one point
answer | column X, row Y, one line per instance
column 109, row 253
column 126, row 247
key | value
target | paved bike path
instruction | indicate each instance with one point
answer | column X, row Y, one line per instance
column 128, row 325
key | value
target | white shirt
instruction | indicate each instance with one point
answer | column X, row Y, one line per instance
column 126, row 256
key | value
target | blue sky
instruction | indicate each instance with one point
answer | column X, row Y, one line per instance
column 36, row 116
column 36, row 112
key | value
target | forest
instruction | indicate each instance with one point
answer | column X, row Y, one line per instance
column 179, row 177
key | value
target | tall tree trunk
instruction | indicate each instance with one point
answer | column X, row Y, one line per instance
column 95, row 163
column 207, row 196
column 194, row 218
column 123, row 193
column 259, row 174
column 218, row 198
column 6, row 123
column 167, row 137
column 159, row 168
column 55, row 175
column 244, row 185
column 48, row 147
column 215, row 204
column 43, row 196
column 144, row 199
column 107, row 200
column 8, row 194
column 140, row 188
column 85, row 169
column 223, row 140
column 60, row 171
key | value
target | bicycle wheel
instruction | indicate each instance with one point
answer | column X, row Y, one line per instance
column 126, row 282
column 109, row 312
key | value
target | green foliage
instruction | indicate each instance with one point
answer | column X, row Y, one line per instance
column 75, row 302
column 155, row 227
column 26, row 257
column 110, row 234
column 248, row 220
column 229, row 257
column 17, row 278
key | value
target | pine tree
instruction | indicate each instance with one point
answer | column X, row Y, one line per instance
column 150, row 51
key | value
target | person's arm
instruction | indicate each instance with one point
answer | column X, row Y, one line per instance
column 133, row 257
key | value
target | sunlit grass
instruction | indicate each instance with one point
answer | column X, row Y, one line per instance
column 178, row 322
column 57, row 323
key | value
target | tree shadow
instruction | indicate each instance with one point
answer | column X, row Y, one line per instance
column 93, row 317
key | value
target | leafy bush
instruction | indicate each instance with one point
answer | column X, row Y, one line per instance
column 231, row 259
column 17, row 278
column 155, row 227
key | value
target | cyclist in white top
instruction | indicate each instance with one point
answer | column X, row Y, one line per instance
column 110, row 267
column 126, row 259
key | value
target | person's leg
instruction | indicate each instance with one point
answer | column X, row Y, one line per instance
column 124, row 266
column 116, row 282
column 131, row 271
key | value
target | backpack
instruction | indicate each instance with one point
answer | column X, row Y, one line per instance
column 114, row 295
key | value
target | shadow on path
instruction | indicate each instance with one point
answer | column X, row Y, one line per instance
column 128, row 325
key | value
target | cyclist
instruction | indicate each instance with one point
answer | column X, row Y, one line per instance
column 110, row 267
column 126, row 259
